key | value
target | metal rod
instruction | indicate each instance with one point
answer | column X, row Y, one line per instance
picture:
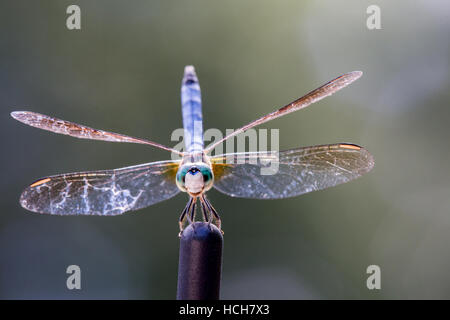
column 200, row 262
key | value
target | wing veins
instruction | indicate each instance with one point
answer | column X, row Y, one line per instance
column 299, row 171
column 80, row 131
column 106, row 192
column 318, row 94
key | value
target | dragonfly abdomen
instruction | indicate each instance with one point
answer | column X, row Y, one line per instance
column 191, row 103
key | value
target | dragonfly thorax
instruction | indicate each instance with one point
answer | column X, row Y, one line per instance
column 195, row 178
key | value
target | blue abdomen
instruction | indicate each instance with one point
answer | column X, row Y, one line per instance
column 191, row 104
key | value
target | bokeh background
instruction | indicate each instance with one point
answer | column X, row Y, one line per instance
column 122, row 72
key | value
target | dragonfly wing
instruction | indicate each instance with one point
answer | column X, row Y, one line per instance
column 106, row 192
column 72, row 129
column 291, row 173
column 318, row 94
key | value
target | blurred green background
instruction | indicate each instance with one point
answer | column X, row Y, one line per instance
column 122, row 72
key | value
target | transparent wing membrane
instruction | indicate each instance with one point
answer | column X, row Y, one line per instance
column 290, row 173
column 72, row 129
column 308, row 99
column 106, row 192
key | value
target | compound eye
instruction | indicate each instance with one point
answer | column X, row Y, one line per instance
column 207, row 176
column 181, row 179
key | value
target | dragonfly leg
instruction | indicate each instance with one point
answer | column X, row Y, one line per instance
column 213, row 211
column 205, row 211
column 185, row 214
column 191, row 217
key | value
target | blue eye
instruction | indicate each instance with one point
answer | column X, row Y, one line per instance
column 181, row 178
column 207, row 175
column 193, row 171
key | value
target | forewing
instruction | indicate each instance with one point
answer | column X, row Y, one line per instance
column 291, row 173
column 75, row 130
column 106, row 192
column 318, row 94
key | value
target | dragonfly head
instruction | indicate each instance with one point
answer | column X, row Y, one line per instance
column 195, row 178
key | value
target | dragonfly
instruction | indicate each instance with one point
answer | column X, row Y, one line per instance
column 113, row 192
